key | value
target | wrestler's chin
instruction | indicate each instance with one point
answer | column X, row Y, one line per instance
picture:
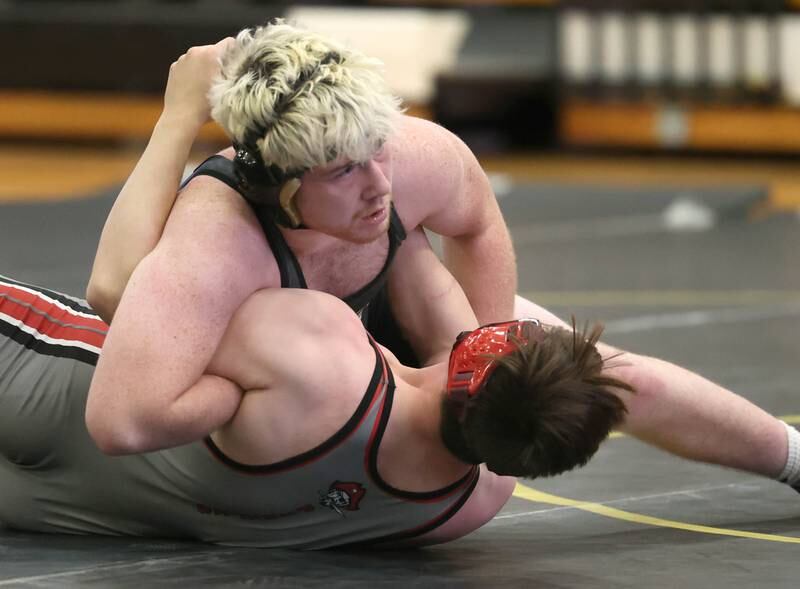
column 368, row 229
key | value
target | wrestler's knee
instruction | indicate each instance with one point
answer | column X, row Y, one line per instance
column 524, row 308
column 645, row 378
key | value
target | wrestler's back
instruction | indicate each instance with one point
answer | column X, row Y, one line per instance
column 283, row 422
column 305, row 361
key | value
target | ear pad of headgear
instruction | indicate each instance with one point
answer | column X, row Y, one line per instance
column 286, row 200
column 267, row 185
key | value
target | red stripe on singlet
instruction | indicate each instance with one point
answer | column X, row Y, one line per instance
column 379, row 429
column 376, row 392
column 46, row 317
column 376, row 426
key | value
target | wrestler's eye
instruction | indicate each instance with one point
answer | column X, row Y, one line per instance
column 347, row 169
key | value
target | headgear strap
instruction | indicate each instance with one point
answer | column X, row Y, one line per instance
column 258, row 180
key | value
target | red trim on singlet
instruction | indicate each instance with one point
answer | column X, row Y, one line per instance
column 439, row 520
column 45, row 316
column 371, row 461
column 376, row 389
column 433, row 523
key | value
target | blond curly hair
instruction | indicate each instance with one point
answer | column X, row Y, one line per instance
column 302, row 100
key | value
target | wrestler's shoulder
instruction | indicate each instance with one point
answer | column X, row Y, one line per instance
column 211, row 221
column 207, row 191
column 287, row 330
column 415, row 135
column 306, row 306
column 428, row 162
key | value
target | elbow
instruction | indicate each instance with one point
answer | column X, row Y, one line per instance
column 95, row 292
column 114, row 445
column 102, row 299
column 111, row 437
column 111, row 448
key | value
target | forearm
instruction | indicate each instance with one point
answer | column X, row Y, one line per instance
column 146, row 393
column 202, row 408
column 431, row 310
column 137, row 218
column 426, row 301
column 485, row 267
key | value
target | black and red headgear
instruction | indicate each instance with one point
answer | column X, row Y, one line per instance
column 472, row 359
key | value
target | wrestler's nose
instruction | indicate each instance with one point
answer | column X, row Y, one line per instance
column 379, row 183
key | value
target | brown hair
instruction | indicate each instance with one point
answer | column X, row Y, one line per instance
column 544, row 409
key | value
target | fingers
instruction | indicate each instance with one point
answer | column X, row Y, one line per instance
column 225, row 43
column 216, row 49
column 190, row 78
column 223, row 46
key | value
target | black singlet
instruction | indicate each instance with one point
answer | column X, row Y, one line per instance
column 221, row 168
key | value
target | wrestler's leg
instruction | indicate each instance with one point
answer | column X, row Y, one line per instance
column 688, row 415
column 49, row 344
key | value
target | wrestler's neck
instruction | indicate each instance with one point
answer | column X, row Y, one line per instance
column 304, row 242
column 423, row 392
column 412, row 449
column 431, row 379
column 310, row 242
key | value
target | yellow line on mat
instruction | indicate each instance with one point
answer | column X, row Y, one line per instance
column 523, row 492
column 529, row 494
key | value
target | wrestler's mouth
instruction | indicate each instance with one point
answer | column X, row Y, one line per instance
column 376, row 216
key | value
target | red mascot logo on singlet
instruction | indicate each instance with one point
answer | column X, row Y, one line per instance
column 343, row 496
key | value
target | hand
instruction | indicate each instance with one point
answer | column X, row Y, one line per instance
column 190, row 79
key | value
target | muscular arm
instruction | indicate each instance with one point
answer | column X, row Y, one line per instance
column 428, row 302
column 149, row 390
column 137, row 218
column 140, row 211
column 449, row 194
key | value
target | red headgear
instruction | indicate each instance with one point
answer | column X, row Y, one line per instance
column 472, row 358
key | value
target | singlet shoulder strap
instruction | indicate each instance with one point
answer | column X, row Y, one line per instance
column 291, row 273
column 397, row 233
column 221, row 168
column 218, row 167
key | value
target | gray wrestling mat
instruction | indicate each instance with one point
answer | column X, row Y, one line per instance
column 720, row 296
